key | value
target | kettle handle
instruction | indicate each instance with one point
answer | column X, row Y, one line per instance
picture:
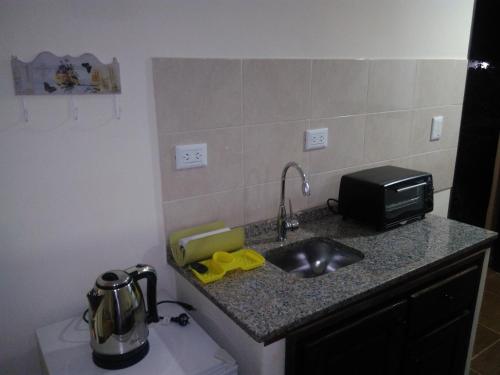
column 142, row 271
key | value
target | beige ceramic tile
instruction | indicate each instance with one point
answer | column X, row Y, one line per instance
column 493, row 282
column 224, row 170
column 345, row 144
column 326, row 185
column 338, row 87
column 185, row 213
column 267, row 148
column 421, row 129
column 402, row 163
column 487, row 362
column 387, row 136
column 323, row 187
column 490, row 311
column 262, row 201
column 440, row 82
column 275, row 90
column 441, row 164
column 391, row 85
column 484, row 338
column 195, row 94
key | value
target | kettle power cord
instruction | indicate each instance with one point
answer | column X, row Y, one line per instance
column 185, row 305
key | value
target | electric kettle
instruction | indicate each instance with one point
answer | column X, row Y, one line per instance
column 118, row 318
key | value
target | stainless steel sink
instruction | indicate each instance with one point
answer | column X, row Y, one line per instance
column 313, row 257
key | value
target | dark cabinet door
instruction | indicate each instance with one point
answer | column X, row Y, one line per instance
column 426, row 333
column 442, row 351
column 370, row 345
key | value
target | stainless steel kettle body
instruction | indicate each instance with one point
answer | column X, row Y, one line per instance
column 118, row 318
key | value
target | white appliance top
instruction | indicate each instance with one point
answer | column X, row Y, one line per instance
column 173, row 350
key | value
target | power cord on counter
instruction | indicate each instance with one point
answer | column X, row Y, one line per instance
column 185, row 305
column 183, row 319
column 330, row 207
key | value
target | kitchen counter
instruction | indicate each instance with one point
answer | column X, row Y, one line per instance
column 267, row 302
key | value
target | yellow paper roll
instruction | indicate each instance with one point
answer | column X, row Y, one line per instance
column 203, row 248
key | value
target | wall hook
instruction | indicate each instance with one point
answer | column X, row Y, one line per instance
column 116, row 107
column 26, row 115
column 73, row 108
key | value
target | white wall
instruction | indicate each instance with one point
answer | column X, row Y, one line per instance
column 79, row 197
column 441, row 200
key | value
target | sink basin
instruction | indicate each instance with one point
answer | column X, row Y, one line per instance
column 313, row 257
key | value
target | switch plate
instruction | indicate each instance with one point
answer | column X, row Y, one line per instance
column 436, row 128
column 316, row 139
column 191, row 156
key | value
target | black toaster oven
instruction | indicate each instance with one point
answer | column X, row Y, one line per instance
column 386, row 197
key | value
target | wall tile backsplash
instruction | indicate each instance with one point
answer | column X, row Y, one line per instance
column 440, row 82
column 387, row 135
column 267, row 148
column 391, row 85
column 197, row 94
column 253, row 113
column 329, row 78
column 275, row 90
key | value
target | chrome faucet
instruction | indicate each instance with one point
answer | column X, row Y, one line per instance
column 285, row 223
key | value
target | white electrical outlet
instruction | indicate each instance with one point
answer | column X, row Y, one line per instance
column 316, row 138
column 191, row 156
column 437, row 128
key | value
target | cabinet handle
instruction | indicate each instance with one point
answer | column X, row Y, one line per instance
column 449, row 297
column 410, row 187
column 402, row 321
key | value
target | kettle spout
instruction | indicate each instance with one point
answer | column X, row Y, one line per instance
column 94, row 300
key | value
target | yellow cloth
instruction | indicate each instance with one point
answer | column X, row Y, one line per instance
column 203, row 248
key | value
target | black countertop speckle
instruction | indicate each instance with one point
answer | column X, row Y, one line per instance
column 268, row 302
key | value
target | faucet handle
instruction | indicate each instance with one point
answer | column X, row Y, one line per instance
column 290, row 208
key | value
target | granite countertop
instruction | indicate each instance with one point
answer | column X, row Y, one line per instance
column 268, row 302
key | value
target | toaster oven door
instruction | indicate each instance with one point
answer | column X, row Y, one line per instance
column 405, row 201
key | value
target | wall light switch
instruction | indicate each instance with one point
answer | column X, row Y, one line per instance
column 316, row 138
column 436, row 128
column 191, row 156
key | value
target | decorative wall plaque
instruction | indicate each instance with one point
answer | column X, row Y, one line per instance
column 49, row 74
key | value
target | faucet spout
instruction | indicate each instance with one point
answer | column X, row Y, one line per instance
column 284, row 223
column 306, row 189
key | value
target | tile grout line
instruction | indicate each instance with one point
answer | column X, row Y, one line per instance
column 232, row 126
column 494, row 293
column 368, row 79
column 414, row 104
column 309, row 108
column 488, row 328
column 242, row 108
column 485, row 349
column 308, row 126
column 367, row 165
column 365, row 106
column 489, row 346
column 415, row 83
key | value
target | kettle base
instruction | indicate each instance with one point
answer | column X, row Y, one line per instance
column 119, row 361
